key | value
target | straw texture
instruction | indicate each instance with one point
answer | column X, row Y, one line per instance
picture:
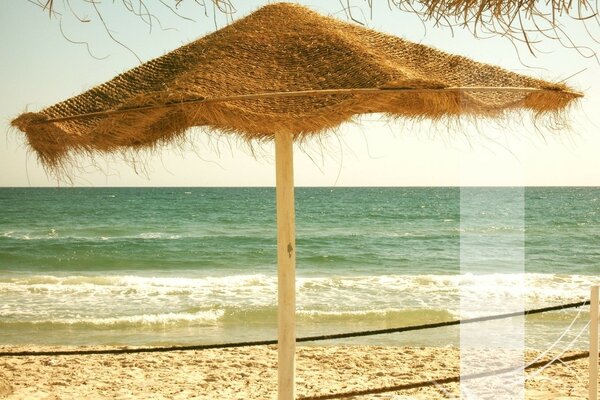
column 279, row 48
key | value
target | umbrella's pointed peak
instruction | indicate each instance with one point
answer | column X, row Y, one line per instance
column 299, row 42
column 286, row 17
column 284, row 8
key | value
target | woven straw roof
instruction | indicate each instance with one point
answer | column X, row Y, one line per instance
column 283, row 68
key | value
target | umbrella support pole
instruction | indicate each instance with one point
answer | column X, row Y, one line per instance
column 286, row 267
column 594, row 313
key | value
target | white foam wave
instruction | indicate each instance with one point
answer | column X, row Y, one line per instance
column 200, row 317
column 53, row 234
column 219, row 316
column 157, row 290
column 29, row 297
column 378, row 314
column 539, row 286
column 150, row 235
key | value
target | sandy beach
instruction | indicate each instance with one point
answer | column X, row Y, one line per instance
column 250, row 373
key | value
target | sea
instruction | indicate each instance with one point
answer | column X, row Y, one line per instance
column 181, row 266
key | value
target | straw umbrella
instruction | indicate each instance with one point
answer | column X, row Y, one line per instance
column 283, row 73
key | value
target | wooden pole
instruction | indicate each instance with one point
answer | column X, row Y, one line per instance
column 594, row 343
column 286, row 271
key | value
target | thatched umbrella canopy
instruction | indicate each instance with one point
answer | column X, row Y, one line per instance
column 282, row 48
column 282, row 73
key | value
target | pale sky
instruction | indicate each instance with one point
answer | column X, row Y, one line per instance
column 39, row 67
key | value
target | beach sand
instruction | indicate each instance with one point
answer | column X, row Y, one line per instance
column 251, row 373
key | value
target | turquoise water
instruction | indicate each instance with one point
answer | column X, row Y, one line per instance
column 197, row 265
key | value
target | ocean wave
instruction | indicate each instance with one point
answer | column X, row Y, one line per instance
column 236, row 316
column 253, row 317
column 320, row 298
column 54, row 235
column 154, row 235
column 535, row 285
column 390, row 316
column 240, row 237
column 141, row 282
column 202, row 318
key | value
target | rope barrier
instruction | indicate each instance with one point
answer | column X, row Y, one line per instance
column 435, row 382
column 442, row 324
column 299, row 340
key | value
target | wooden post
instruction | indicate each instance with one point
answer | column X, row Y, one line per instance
column 286, row 271
column 594, row 343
